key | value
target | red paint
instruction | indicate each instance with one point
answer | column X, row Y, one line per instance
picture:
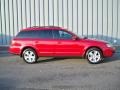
column 59, row 47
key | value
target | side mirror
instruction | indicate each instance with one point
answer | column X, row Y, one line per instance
column 74, row 38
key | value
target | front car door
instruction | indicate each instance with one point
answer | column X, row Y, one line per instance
column 65, row 45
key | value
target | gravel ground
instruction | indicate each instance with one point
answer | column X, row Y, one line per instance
column 59, row 74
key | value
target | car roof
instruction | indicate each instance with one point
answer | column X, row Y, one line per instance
column 46, row 28
column 43, row 28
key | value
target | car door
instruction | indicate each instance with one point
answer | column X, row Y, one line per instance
column 45, row 43
column 65, row 45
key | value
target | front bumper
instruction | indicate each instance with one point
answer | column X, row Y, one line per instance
column 108, row 52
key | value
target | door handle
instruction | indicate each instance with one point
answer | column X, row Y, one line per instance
column 36, row 41
column 59, row 42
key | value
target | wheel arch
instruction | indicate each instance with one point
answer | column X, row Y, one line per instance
column 92, row 47
column 26, row 48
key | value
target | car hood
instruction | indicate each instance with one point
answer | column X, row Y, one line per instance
column 92, row 40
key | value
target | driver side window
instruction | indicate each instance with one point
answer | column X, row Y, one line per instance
column 59, row 34
column 65, row 35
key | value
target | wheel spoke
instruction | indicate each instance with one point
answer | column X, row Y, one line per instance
column 91, row 53
column 91, row 58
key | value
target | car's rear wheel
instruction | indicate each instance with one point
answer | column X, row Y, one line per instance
column 94, row 56
column 29, row 56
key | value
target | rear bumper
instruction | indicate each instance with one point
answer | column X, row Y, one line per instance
column 14, row 50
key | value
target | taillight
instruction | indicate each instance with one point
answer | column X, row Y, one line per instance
column 12, row 42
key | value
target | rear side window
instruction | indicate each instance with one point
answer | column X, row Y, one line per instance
column 27, row 34
column 45, row 34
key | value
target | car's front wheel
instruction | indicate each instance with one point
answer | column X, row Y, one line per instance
column 94, row 55
column 29, row 56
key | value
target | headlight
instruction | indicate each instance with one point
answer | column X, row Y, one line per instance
column 109, row 45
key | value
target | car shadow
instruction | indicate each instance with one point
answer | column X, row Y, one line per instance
column 51, row 59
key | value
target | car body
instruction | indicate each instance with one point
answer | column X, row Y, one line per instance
column 52, row 41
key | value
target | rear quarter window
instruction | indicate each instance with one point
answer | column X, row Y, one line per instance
column 27, row 34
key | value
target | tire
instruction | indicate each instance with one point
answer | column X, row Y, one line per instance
column 94, row 55
column 29, row 56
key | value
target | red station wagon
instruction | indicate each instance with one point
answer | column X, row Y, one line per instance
column 50, row 41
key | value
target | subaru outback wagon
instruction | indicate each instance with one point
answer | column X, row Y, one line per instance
column 50, row 41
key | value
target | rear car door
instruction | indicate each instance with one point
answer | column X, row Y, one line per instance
column 45, row 43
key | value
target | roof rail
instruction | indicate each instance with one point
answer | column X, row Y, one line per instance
column 47, row 26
